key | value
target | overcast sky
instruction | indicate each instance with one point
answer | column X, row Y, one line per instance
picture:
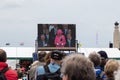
column 19, row 19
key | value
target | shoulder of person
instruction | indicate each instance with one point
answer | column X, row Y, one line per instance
column 40, row 70
column 10, row 71
column 40, row 67
column 11, row 75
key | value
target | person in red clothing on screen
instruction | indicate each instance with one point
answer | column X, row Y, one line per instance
column 60, row 40
column 9, row 74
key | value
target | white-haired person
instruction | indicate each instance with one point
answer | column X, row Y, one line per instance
column 77, row 67
column 96, row 58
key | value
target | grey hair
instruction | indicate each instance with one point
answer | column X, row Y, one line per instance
column 95, row 58
column 78, row 67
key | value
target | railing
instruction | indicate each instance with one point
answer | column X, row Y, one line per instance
column 56, row 48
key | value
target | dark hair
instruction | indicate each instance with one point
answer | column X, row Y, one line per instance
column 41, row 56
column 103, row 54
column 3, row 56
column 57, row 55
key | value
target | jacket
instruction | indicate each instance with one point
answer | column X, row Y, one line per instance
column 10, row 74
column 60, row 41
column 52, row 66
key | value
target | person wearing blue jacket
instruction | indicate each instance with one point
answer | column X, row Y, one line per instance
column 53, row 66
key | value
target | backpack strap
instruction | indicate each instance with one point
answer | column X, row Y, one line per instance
column 46, row 69
column 4, row 70
column 49, row 74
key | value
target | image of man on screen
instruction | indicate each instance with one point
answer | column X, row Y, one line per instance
column 42, row 42
column 65, row 29
column 53, row 32
column 70, row 42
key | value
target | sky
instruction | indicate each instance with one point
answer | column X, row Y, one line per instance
column 94, row 20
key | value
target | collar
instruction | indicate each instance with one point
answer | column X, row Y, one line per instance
column 53, row 67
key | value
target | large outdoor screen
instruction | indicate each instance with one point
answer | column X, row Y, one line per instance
column 56, row 36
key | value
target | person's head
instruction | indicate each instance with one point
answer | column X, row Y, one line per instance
column 44, row 26
column 55, row 26
column 42, row 37
column 95, row 58
column 41, row 56
column 56, row 57
column 65, row 26
column 69, row 31
column 104, row 57
column 69, row 36
column 3, row 56
column 77, row 67
column 59, row 32
column 110, row 67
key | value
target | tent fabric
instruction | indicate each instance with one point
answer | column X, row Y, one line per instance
column 27, row 52
column 19, row 51
column 111, row 52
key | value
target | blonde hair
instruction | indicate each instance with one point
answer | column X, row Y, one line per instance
column 117, row 74
column 110, row 67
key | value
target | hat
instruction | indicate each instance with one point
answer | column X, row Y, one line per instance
column 103, row 54
column 56, row 55
column 59, row 31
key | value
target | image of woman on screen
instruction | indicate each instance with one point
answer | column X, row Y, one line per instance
column 60, row 40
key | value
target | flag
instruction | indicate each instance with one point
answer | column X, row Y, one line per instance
column 80, row 45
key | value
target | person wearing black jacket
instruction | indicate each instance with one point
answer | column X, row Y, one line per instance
column 70, row 42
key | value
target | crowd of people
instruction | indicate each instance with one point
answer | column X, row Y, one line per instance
column 57, row 65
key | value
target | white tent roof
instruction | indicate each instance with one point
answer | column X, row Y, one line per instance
column 111, row 52
column 26, row 52
column 19, row 51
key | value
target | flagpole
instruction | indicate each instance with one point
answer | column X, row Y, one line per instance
column 16, row 56
column 96, row 38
